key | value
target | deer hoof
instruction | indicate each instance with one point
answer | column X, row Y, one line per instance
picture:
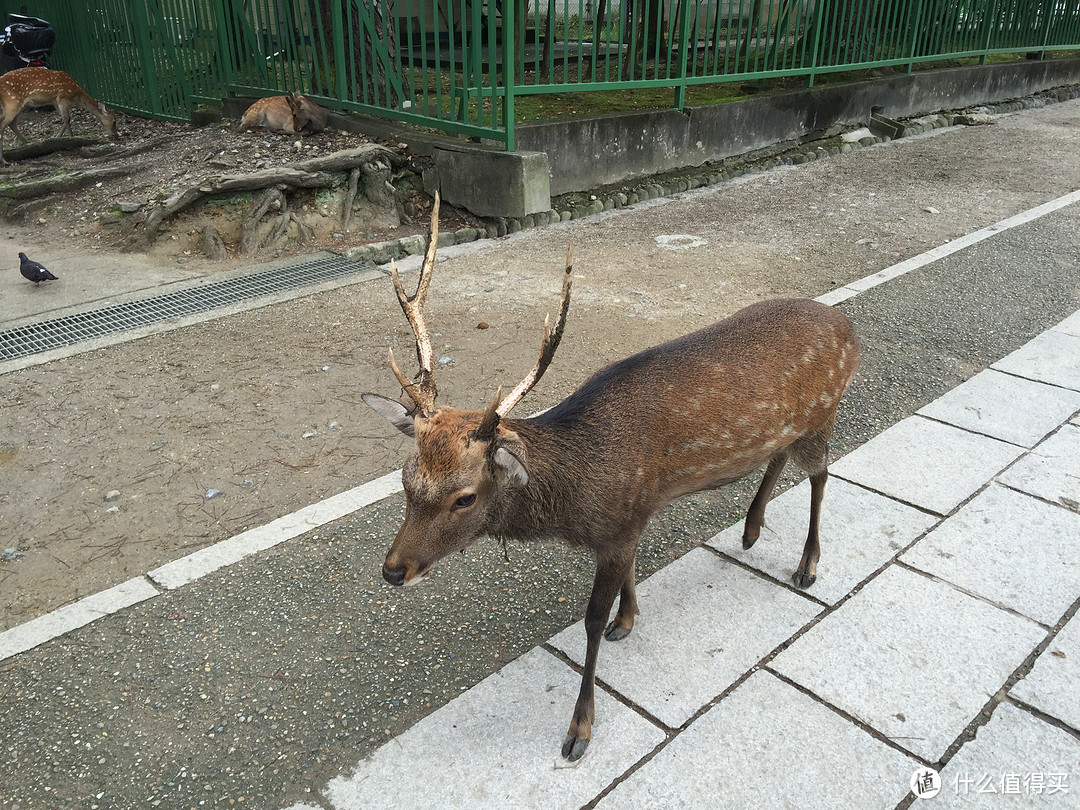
column 616, row 632
column 748, row 541
column 573, row 748
column 802, row 580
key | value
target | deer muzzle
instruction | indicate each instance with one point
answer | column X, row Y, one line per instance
column 395, row 576
column 403, row 573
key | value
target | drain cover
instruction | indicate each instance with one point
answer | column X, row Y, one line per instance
column 52, row 334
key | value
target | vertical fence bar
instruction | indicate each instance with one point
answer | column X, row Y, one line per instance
column 337, row 25
column 915, row 21
column 815, row 41
column 141, row 32
column 1047, row 7
column 509, row 79
column 225, row 46
column 684, row 47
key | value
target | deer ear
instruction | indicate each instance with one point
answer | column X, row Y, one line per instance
column 393, row 411
column 511, row 466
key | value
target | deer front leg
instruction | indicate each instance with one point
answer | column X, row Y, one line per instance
column 611, row 574
column 4, row 124
column 14, row 125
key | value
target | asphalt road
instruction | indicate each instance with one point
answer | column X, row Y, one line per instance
column 255, row 685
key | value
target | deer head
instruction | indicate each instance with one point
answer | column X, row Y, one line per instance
column 457, row 478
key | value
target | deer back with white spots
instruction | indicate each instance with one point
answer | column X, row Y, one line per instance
column 41, row 87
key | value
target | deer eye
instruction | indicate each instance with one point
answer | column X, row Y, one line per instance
column 465, row 501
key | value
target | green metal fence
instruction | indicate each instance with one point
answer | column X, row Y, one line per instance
column 459, row 65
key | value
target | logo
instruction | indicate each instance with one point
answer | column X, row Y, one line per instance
column 926, row 783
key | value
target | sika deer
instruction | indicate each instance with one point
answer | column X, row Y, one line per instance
column 288, row 114
column 41, row 87
column 751, row 391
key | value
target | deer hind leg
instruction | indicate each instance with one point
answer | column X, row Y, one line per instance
column 611, row 574
column 806, row 574
column 7, row 120
column 65, row 115
column 755, row 515
column 812, row 454
column 623, row 623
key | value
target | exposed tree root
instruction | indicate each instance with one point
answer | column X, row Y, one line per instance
column 72, row 181
column 213, row 246
column 272, row 198
column 371, row 160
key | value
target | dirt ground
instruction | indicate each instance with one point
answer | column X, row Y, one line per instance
column 159, row 159
column 118, row 460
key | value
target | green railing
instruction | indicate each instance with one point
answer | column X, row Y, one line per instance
column 459, row 65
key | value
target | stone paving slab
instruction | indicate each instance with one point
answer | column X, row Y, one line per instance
column 1013, row 409
column 768, row 745
column 1052, row 357
column 703, row 623
column 912, row 657
column 860, row 532
column 1052, row 470
column 1051, row 686
column 1071, row 325
column 497, row 746
column 1015, row 550
column 926, row 463
column 1014, row 760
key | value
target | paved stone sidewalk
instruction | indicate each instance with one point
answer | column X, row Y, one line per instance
column 950, row 567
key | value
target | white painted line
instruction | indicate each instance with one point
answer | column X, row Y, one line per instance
column 204, row 561
column 172, row 575
column 71, row 617
column 834, row 297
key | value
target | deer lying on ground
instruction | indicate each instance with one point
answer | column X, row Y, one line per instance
column 41, row 87
column 754, row 390
column 290, row 114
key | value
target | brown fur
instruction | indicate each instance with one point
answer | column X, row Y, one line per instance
column 289, row 114
column 308, row 116
column 698, row 412
column 41, row 87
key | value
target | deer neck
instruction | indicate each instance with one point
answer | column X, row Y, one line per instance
column 560, row 492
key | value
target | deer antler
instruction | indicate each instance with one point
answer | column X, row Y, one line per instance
column 422, row 391
column 547, row 347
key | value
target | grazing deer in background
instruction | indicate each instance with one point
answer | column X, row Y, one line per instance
column 751, row 391
column 41, row 87
column 289, row 114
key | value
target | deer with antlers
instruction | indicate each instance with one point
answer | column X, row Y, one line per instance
column 752, row 391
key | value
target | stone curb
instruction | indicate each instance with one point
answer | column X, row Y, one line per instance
column 495, row 227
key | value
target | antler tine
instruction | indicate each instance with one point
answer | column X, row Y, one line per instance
column 549, row 344
column 423, row 391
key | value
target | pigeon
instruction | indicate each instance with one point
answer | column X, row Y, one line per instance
column 32, row 271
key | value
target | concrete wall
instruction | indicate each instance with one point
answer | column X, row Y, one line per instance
column 494, row 183
column 590, row 153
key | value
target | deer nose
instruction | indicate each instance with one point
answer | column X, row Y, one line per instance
column 395, row 576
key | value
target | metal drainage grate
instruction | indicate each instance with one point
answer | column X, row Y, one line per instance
column 53, row 334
